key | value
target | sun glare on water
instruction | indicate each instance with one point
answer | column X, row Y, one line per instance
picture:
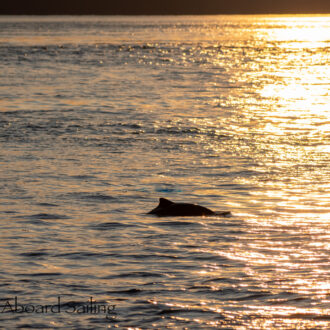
column 101, row 116
column 309, row 31
column 299, row 90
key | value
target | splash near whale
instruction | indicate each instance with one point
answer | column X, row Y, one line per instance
column 167, row 208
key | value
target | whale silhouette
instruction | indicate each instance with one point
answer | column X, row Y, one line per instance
column 167, row 208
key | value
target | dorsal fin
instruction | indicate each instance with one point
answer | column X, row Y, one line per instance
column 163, row 202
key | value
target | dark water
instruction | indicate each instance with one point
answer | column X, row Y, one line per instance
column 101, row 116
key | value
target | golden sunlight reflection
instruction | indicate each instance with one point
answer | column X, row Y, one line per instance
column 290, row 124
column 236, row 119
column 299, row 98
column 299, row 95
column 300, row 31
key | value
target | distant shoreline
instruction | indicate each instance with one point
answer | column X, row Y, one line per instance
column 174, row 14
column 168, row 7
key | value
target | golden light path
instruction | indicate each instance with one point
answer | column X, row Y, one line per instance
column 292, row 97
column 258, row 115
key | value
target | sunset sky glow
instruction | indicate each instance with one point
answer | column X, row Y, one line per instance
column 108, row 7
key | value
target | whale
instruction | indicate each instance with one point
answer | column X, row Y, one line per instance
column 167, row 208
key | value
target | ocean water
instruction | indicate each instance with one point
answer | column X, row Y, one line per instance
column 101, row 116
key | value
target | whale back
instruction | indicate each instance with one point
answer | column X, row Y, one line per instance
column 163, row 202
column 163, row 205
column 169, row 208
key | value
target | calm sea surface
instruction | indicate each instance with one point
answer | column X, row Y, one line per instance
column 101, row 116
